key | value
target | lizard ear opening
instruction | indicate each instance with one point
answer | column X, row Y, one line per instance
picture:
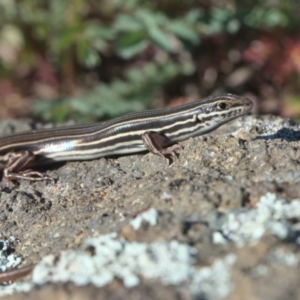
column 198, row 119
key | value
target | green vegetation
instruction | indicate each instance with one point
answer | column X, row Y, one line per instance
column 105, row 58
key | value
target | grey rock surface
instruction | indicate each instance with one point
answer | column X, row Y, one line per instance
column 225, row 217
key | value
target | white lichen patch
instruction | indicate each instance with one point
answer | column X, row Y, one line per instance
column 15, row 287
column 107, row 257
column 8, row 259
column 249, row 225
column 150, row 216
column 117, row 258
column 284, row 257
column 214, row 282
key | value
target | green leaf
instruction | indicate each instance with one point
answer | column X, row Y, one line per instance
column 97, row 35
column 127, row 23
column 98, row 30
column 130, row 39
column 131, row 44
column 54, row 111
column 188, row 68
column 194, row 15
column 275, row 18
column 87, row 55
column 100, row 45
column 160, row 38
column 68, row 36
column 233, row 26
column 261, row 16
column 221, row 14
column 215, row 27
column 134, row 75
column 60, row 113
column 181, row 30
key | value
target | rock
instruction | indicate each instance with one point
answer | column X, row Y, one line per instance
column 225, row 216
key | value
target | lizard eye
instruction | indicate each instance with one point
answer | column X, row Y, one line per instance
column 222, row 105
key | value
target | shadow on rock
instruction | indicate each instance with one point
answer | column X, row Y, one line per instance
column 286, row 134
